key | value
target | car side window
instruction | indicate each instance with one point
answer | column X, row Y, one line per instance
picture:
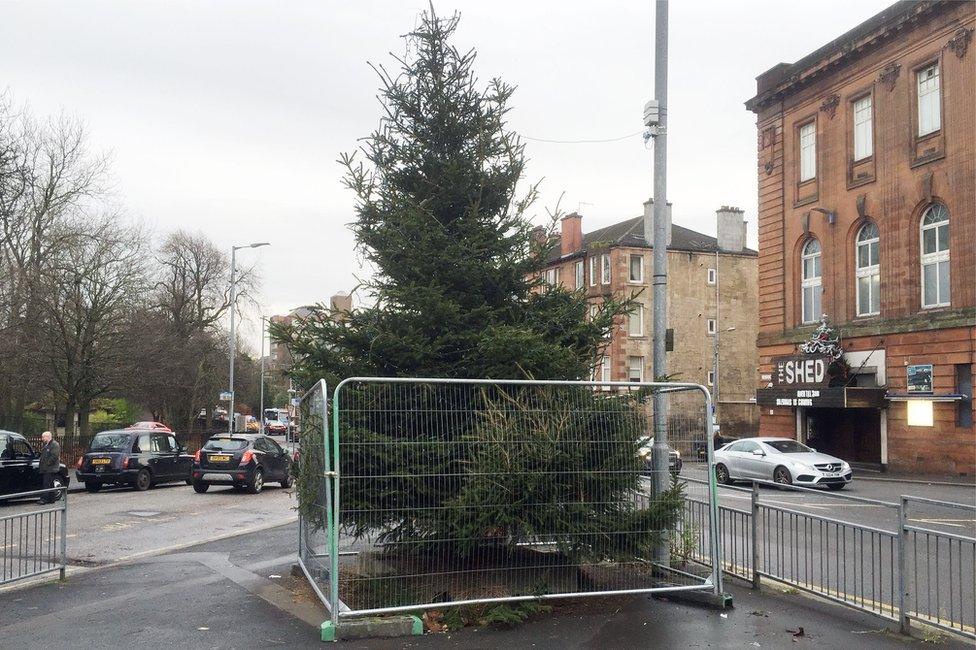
column 21, row 449
column 736, row 446
column 748, row 447
column 262, row 445
column 173, row 446
column 160, row 443
column 274, row 447
column 141, row 444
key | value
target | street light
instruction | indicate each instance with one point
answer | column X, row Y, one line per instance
column 233, row 333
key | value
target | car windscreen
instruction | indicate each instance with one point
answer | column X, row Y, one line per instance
column 788, row 446
column 225, row 444
column 109, row 442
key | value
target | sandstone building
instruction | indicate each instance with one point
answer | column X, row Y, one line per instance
column 617, row 260
column 867, row 215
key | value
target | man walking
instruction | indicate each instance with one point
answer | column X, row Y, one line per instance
column 49, row 464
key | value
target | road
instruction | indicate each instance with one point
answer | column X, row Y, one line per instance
column 122, row 523
column 823, row 503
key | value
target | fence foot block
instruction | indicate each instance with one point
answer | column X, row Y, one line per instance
column 373, row 628
column 705, row 598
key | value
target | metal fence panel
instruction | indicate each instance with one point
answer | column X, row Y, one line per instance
column 475, row 491
column 316, row 554
column 940, row 570
column 33, row 539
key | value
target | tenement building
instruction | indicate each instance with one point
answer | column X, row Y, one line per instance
column 711, row 305
column 867, row 278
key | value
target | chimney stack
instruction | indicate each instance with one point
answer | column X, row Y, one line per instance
column 649, row 222
column 571, row 239
column 539, row 236
column 731, row 229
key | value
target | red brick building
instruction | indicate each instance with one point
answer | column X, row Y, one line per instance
column 867, row 214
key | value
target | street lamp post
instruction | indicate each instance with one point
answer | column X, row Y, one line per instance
column 263, row 321
column 233, row 332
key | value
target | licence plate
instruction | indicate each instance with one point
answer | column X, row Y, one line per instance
column 101, row 461
column 219, row 458
column 831, row 474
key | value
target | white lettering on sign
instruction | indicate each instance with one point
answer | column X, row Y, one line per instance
column 801, row 371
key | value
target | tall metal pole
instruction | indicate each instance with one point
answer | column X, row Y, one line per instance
column 659, row 452
column 263, row 322
column 233, row 334
column 717, row 330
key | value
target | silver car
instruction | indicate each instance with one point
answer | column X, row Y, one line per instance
column 781, row 460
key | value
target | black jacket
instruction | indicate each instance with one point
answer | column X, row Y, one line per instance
column 50, row 460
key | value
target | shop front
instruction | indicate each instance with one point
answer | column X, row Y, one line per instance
column 831, row 416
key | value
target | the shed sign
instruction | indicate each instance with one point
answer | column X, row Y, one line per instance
column 799, row 371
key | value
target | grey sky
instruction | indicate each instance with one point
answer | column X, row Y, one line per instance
column 227, row 117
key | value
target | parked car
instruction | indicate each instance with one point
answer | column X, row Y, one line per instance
column 138, row 457
column 781, row 460
column 242, row 460
column 18, row 465
column 276, row 422
column 644, row 447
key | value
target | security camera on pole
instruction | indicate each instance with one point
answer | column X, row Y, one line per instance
column 233, row 333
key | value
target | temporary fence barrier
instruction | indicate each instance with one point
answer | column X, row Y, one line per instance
column 33, row 539
column 442, row 492
column 908, row 573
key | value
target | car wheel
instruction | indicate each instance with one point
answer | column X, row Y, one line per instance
column 257, row 482
column 836, row 486
column 200, row 487
column 286, row 482
column 782, row 476
column 722, row 474
column 143, row 480
column 93, row 486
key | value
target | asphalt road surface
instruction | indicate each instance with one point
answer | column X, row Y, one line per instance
column 122, row 523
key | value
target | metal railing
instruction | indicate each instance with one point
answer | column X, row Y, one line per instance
column 33, row 541
column 908, row 573
column 439, row 492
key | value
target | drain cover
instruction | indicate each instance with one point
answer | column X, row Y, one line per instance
column 143, row 513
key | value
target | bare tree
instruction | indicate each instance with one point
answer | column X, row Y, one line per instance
column 47, row 175
column 90, row 290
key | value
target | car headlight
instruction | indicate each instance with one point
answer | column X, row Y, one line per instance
column 804, row 467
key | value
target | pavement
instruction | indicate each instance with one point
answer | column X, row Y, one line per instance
column 238, row 593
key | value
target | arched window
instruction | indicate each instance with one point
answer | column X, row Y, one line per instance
column 935, row 256
column 868, row 271
column 811, row 286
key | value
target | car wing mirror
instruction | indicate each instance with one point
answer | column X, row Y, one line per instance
column 758, row 452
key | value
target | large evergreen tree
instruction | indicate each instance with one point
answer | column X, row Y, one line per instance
column 457, row 293
column 455, row 259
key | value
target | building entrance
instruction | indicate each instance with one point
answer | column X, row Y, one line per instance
column 851, row 434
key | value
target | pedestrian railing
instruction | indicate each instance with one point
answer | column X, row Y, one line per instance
column 436, row 493
column 911, row 572
column 33, row 539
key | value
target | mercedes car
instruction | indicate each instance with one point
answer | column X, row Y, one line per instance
column 780, row 460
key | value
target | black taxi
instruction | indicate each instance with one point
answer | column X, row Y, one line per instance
column 137, row 457
column 18, row 465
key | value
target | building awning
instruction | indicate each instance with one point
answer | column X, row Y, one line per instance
column 833, row 397
column 929, row 397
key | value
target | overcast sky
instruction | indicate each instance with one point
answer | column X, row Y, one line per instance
column 228, row 117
